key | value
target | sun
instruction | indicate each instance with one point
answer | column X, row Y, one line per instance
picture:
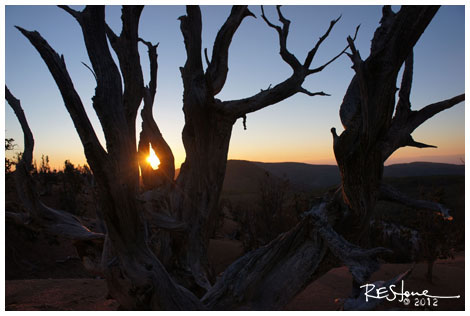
column 152, row 159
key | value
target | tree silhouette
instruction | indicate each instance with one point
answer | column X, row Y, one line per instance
column 177, row 275
column 376, row 126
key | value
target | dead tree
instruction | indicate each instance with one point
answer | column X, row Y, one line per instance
column 375, row 125
column 136, row 278
column 266, row 278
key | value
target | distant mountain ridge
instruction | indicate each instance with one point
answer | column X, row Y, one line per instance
column 415, row 169
column 302, row 175
column 242, row 175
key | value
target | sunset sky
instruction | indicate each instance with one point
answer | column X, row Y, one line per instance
column 297, row 129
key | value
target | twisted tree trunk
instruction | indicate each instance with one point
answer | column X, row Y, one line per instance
column 376, row 126
column 208, row 128
column 372, row 133
column 266, row 278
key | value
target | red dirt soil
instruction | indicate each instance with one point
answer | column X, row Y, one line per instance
column 448, row 280
column 45, row 273
column 90, row 294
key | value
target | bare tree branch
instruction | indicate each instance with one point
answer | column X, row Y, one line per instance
column 270, row 276
column 311, row 54
column 404, row 106
column 358, row 66
column 152, row 54
column 109, row 85
column 389, row 193
column 191, row 27
column 419, row 117
column 218, row 66
column 72, row 12
column 28, row 135
column 206, row 57
column 399, row 135
column 361, row 262
column 151, row 133
column 113, row 38
column 95, row 152
column 287, row 56
column 302, row 90
column 264, row 98
column 290, row 86
column 91, row 70
column 412, row 143
column 126, row 47
column 320, row 68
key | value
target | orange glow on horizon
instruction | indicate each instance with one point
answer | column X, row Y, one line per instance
column 152, row 159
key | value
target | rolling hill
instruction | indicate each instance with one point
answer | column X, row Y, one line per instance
column 244, row 176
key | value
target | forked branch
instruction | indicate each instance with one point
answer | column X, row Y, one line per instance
column 151, row 133
column 290, row 86
column 153, row 56
column 72, row 12
column 320, row 68
column 311, row 54
column 283, row 32
column 406, row 121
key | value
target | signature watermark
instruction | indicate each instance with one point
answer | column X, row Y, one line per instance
column 391, row 293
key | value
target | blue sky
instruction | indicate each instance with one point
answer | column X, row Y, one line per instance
column 296, row 129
